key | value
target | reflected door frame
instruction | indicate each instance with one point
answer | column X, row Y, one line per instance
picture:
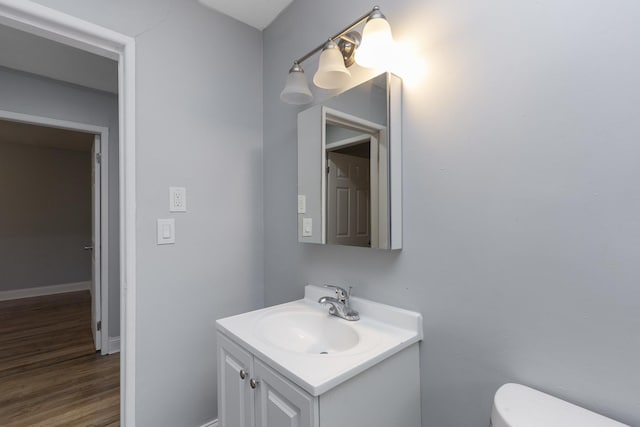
column 379, row 176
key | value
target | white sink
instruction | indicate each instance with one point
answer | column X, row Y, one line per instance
column 309, row 332
column 318, row 351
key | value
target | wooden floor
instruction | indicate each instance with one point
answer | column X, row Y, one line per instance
column 50, row 374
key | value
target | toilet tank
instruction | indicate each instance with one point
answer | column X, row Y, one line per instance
column 516, row 405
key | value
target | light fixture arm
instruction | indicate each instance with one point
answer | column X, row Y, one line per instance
column 375, row 12
column 348, row 39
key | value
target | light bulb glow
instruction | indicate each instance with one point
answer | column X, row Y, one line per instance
column 409, row 63
column 377, row 44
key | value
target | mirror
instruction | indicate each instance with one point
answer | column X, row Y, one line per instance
column 350, row 167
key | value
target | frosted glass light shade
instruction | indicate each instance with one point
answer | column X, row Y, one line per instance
column 376, row 46
column 296, row 91
column 331, row 74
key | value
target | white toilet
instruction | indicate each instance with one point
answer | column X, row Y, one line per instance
column 516, row 405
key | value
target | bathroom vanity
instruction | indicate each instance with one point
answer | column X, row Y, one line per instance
column 296, row 365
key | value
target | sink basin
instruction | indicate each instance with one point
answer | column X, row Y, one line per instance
column 307, row 332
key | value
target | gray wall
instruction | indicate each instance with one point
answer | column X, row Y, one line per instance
column 521, row 198
column 39, row 96
column 33, row 54
column 46, row 217
column 199, row 125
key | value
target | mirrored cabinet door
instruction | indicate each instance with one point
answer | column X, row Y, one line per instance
column 350, row 167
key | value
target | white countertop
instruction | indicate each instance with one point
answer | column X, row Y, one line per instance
column 383, row 330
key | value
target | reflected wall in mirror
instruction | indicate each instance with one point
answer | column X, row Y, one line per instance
column 349, row 167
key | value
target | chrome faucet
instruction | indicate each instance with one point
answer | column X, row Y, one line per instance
column 339, row 305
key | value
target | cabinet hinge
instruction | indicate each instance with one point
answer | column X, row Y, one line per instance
column 99, row 157
column 99, row 326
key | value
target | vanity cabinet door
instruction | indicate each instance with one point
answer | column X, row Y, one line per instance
column 280, row 403
column 235, row 396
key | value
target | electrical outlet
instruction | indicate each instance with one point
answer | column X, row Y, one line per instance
column 302, row 204
column 177, row 199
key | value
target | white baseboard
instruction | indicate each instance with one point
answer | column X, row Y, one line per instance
column 44, row 290
column 114, row 345
column 213, row 423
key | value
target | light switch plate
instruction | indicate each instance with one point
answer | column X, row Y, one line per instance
column 177, row 199
column 302, row 203
column 166, row 231
column 307, row 227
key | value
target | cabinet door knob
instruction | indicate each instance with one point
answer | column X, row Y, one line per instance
column 253, row 383
column 243, row 374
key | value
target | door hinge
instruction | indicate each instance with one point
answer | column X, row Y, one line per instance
column 99, row 157
column 99, row 326
column 328, row 169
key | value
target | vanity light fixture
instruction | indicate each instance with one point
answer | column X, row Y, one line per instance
column 332, row 72
column 371, row 50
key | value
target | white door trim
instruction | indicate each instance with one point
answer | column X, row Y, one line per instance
column 98, row 266
column 54, row 25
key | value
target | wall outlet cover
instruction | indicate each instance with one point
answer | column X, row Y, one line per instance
column 177, row 199
column 302, row 203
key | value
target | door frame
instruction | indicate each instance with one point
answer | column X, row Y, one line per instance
column 103, row 132
column 379, row 176
column 54, row 25
column 98, row 216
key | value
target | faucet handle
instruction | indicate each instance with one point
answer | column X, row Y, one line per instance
column 342, row 294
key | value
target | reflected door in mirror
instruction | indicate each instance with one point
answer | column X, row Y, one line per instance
column 348, row 195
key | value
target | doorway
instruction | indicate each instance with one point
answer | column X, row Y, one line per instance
column 59, row 137
column 357, row 181
column 52, row 25
column 51, row 262
column 349, row 192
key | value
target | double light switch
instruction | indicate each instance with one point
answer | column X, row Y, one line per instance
column 307, row 224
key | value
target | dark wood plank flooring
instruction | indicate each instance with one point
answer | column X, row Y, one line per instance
column 50, row 374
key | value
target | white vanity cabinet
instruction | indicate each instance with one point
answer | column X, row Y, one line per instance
column 387, row 394
column 295, row 365
column 274, row 402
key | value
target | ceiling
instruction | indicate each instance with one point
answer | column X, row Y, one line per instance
column 42, row 136
column 257, row 13
column 34, row 54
